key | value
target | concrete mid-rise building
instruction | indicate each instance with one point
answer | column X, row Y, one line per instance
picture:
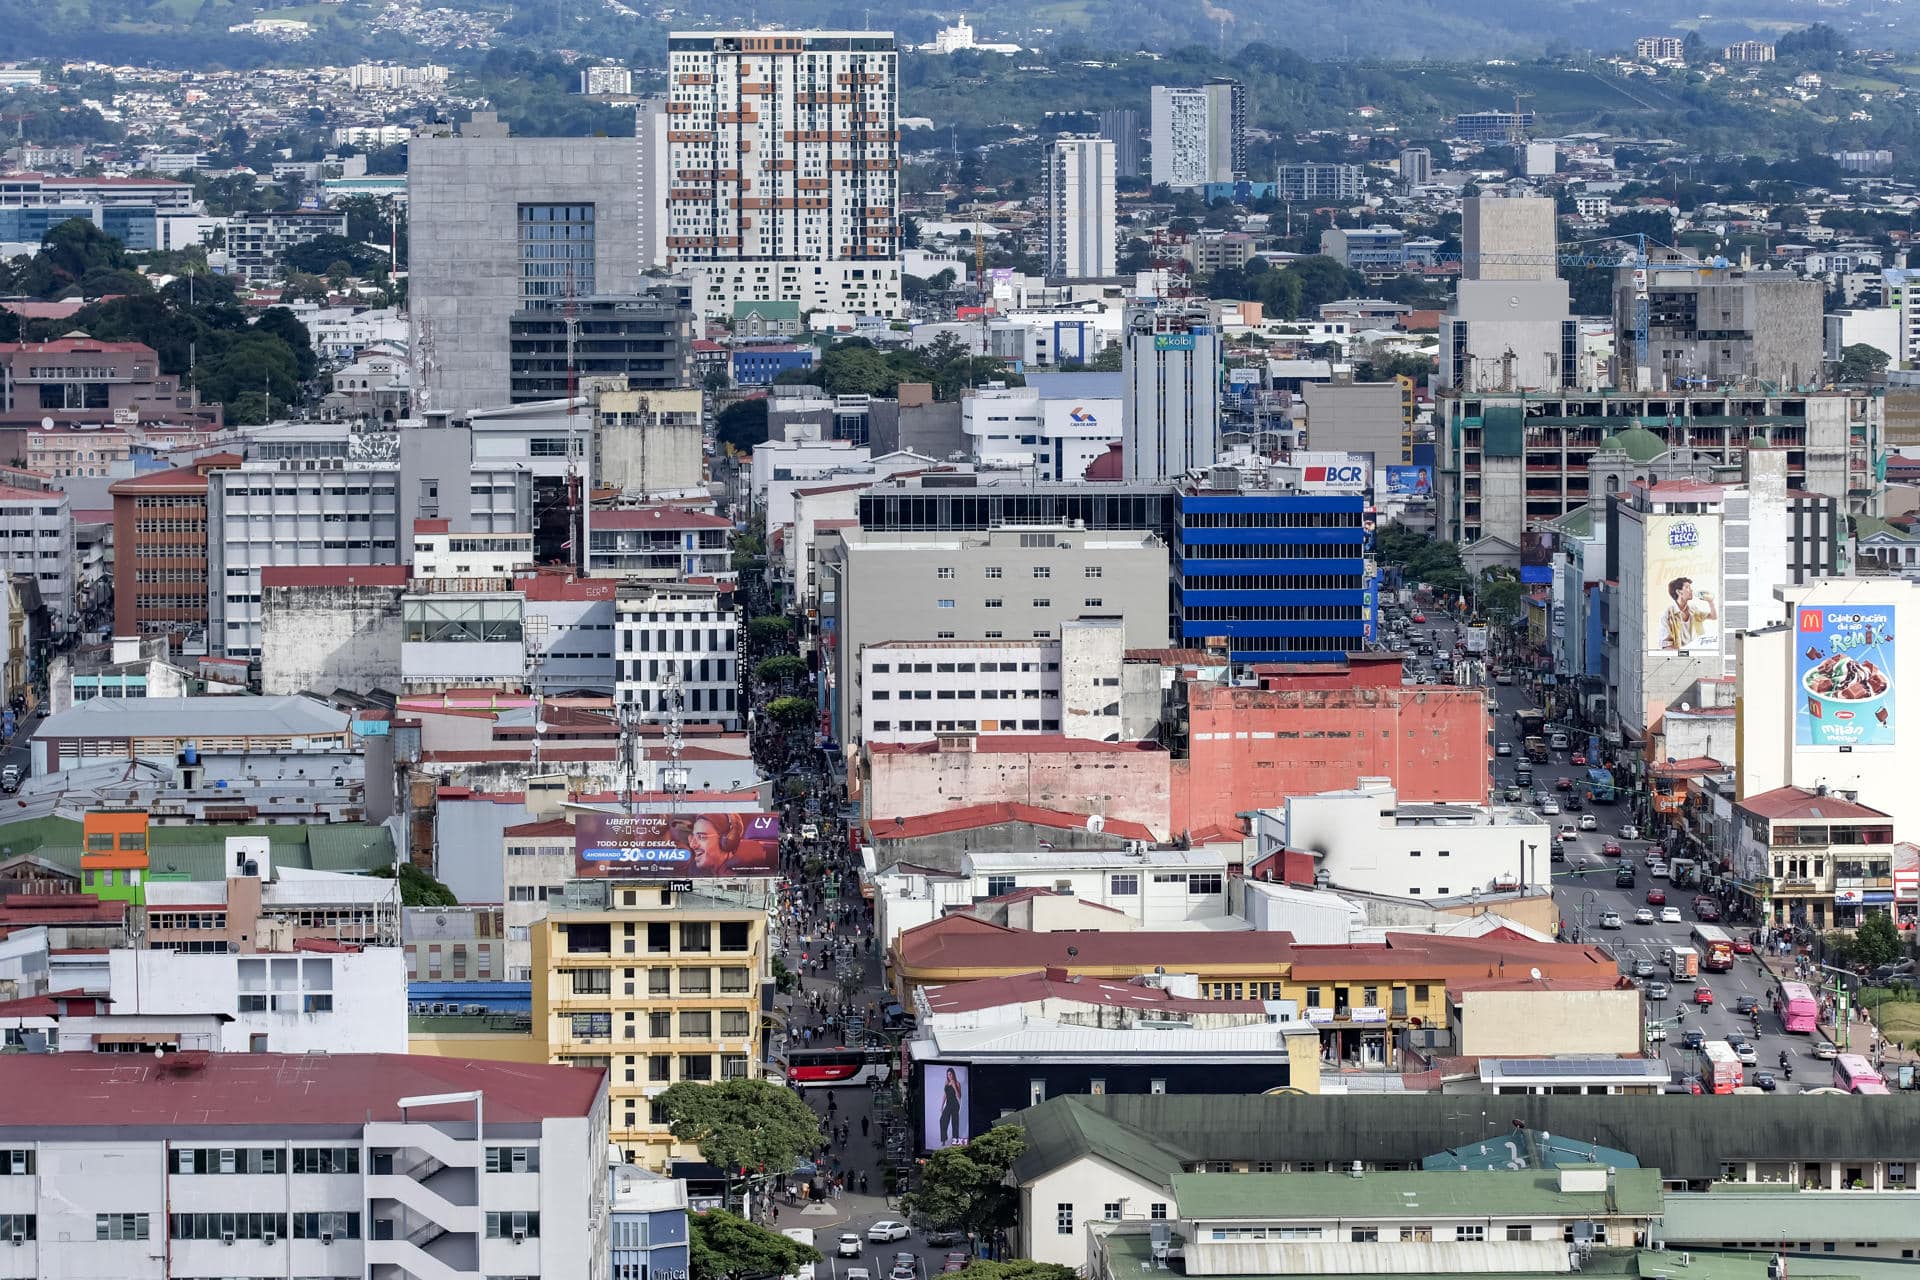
column 556, row 347
column 1014, row 582
column 80, row 380
column 1359, row 417
column 256, row 239
column 1057, row 436
column 654, row 986
column 1511, row 325
column 676, row 648
column 1506, row 461
column 1416, row 167
column 1121, row 127
column 1372, row 250
column 1170, row 401
column 293, row 1165
column 784, row 152
column 501, row 225
column 36, row 541
column 1718, row 325
column 1316, row 181
column 1078, row 194
column 330, row 627
column 269, row 513
column 1199, row 134
column 659, row 543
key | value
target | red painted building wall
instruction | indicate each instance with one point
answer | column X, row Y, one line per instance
column 1307, row 731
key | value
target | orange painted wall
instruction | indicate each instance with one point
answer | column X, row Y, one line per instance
column 1252, row 748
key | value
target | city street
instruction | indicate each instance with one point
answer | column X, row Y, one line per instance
column 1584, row 890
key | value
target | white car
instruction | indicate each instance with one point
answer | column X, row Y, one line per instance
column 1629, row 832
column 850, row 1246
column 884, row 1230
column 1589, row 823
column 1567, row 833
column 1826, row 1050
column 1747, row 1054
column 1643, row 916
column 1503, row 749
column 1549, row 807
column 1669, row 915
column 1610, row 920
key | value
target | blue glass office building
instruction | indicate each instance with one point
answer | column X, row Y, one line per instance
column 1281, row 577
column 134, row 226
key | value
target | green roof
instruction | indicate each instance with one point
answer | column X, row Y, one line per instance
column 1743, row 1213
column 787, row 310
column 1577, row 523
column 1865, row 527
column 1059, row 1133
column 199, row 852
column 1130, row 1252
column 1684, row 1138
column 1637, row 443
column 1700, row 1264
column 1289, row 1196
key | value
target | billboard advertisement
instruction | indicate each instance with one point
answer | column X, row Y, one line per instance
column 1537, row 550
column 1334, row 472
column 1683, row 585
column 944, row 1099
column 676, row 846
column 1410, row 482
column 1843, row 677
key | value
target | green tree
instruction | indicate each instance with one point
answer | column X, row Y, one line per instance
column 418, row 888
column 1859, row 362
column 317, row 256
column 792, row 713
column 70, row 252
column 965, row 1188
column 284, row 325
column 745, row 1127
column 742, row 425
column 1693, row 50
column 724, row 1246
column 254, row 369
column 768, row 633
column 1323, row 280
column 1500, row 599
column 1020, row 1269
column 1876, row 941
column 782, row 669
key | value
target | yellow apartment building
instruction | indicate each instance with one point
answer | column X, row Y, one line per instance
column 656, row 986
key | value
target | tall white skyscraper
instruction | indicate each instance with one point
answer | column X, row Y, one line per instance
column 1199, row 135
column 1170, row 390
column 1078, row 186
column 784, row 155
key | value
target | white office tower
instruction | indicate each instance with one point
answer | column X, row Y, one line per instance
column 1511, row 325
column 784, row 155
column 650, row 118
column 1199, row 134
column 1078, row 186
column 1170, row 390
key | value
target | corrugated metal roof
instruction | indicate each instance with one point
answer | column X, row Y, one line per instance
column 220, row 716
column 1503, row 1193
column 1783, row 1211
column 1684, row 1137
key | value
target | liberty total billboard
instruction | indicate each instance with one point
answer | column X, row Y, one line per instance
column 1683, row 584
column 1843, row 674
column 676, row 846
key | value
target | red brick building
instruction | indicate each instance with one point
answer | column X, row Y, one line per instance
column 160, row 550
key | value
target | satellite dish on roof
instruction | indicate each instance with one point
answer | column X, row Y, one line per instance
column 1535, row 971
column 1096, row 823
column 46, row 424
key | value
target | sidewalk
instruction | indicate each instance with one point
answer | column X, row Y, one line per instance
column 1781, row 968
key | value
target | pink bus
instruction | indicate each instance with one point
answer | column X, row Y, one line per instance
column 1799, row 1011
column 1856, row 1075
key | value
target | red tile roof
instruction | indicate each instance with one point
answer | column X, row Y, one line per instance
column 334, row 575
column 561, row 585
column 974, row 816
column 966, row 942
column 1797, row 802
column 657, row 518
column 55, row 1004
column 278, row 1090
column 1020, row 744
column 547, row 827
column 1691, row 767
column 1059, row 984
column 69, row 346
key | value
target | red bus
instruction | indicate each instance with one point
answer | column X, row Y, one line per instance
column 1716, row 947
column 824, row 1068
column 1799, row 1011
